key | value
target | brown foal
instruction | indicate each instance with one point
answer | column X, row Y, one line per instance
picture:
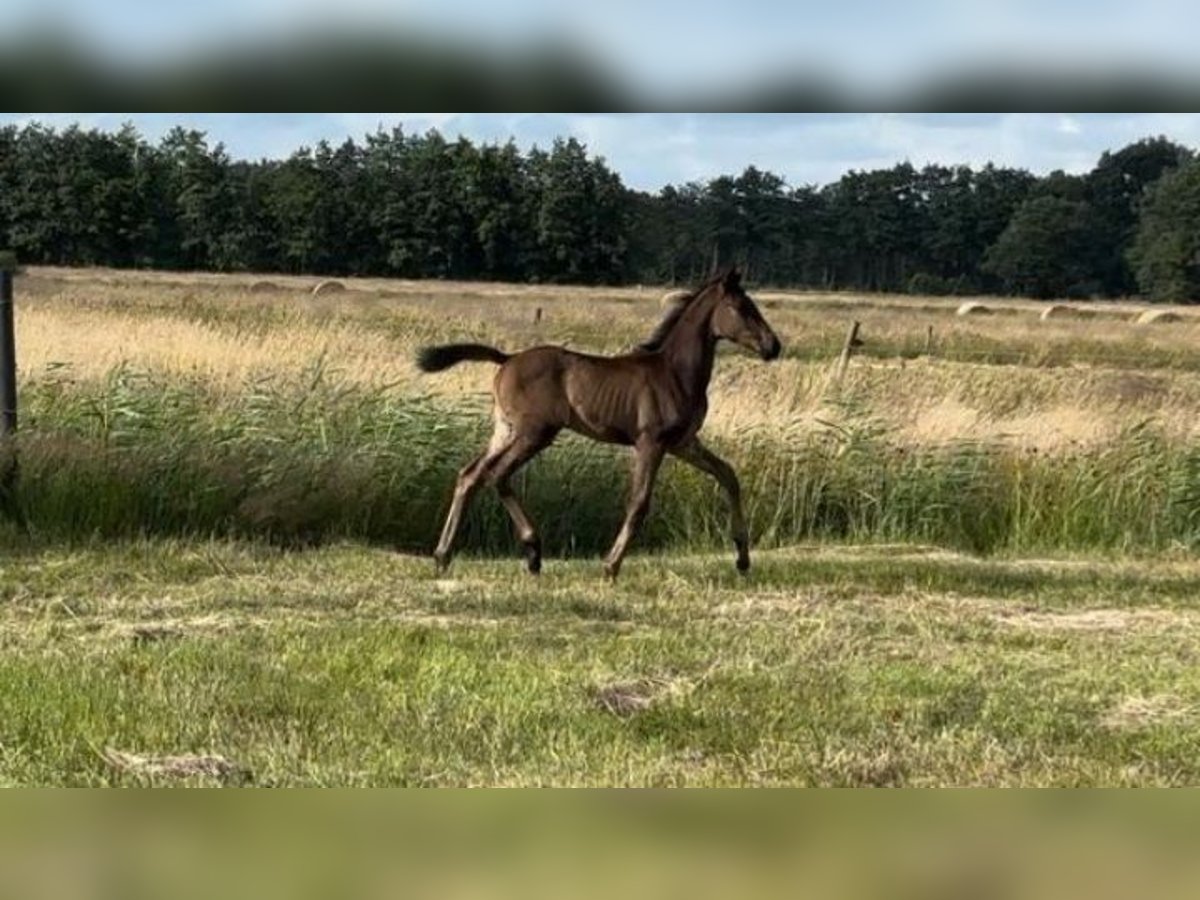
column 653, row 399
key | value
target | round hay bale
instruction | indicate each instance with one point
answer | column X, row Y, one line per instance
column 264, row 287
column 328, row 287
column 1060, row 311
column 971, row 308
column 670, row 298
column 1157, row 317
column 1056, row 311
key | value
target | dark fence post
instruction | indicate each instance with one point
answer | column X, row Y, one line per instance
column 8, row 354
column 852, row 344
column 8, row 392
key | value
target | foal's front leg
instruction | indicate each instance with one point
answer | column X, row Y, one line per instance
column 648, row 457
column 696, row 454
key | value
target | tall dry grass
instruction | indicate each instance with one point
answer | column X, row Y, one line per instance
column 173, row 405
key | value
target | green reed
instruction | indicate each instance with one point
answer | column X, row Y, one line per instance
column 313, row 459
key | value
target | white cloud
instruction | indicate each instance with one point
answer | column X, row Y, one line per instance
column 672, row 45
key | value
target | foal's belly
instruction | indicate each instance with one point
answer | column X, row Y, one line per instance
column 621, row 405
column 674, row 431
column 609, row 434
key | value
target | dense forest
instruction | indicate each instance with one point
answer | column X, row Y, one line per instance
column 411, row 205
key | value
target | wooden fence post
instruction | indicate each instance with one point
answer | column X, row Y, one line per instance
column 8, row 392
column 852, row 342
column 929, row 341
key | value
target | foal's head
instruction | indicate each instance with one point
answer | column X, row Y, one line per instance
column 736, row 318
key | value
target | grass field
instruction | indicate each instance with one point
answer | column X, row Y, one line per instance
column 972, row 567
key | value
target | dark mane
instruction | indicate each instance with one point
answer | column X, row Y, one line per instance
column 655, row 341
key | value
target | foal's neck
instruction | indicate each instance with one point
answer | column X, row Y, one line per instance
column 691, row 347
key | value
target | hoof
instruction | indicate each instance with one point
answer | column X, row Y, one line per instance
column 441, row 563
column 533, row 560
column 743, row 564
column 611, row 572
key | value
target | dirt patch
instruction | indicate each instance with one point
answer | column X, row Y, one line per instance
column 188, row 765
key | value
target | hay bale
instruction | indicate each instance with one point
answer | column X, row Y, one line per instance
column 264, row 287
column 670, row 298
column 1059, row 311
column 1157, row 317
column 328, row 287
column 971, row 308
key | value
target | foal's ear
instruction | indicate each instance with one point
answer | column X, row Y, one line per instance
column 733, row 279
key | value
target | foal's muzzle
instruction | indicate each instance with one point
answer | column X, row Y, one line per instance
column 771, row 349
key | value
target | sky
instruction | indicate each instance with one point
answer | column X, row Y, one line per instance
column 659, row 46
column 650, row 150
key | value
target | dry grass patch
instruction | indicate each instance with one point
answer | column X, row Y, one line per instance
column 1138, row 712
column 625, row 698
column 1115, row 620
column 189, row 765
column 220, row 329
column 89, row 344
column 771, row 605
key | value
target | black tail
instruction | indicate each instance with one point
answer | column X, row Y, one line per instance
column 435, row 359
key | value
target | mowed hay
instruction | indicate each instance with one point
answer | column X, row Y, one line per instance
column 971, row 308
column 670, row 298
column 328, row 287
column 1157, row 317
column 210, row 766
column 264, row 287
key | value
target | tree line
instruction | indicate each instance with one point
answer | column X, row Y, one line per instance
column 419, row 205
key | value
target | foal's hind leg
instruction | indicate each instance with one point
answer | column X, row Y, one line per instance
column 523, row 449
column 696, row 454
column 464, row 489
